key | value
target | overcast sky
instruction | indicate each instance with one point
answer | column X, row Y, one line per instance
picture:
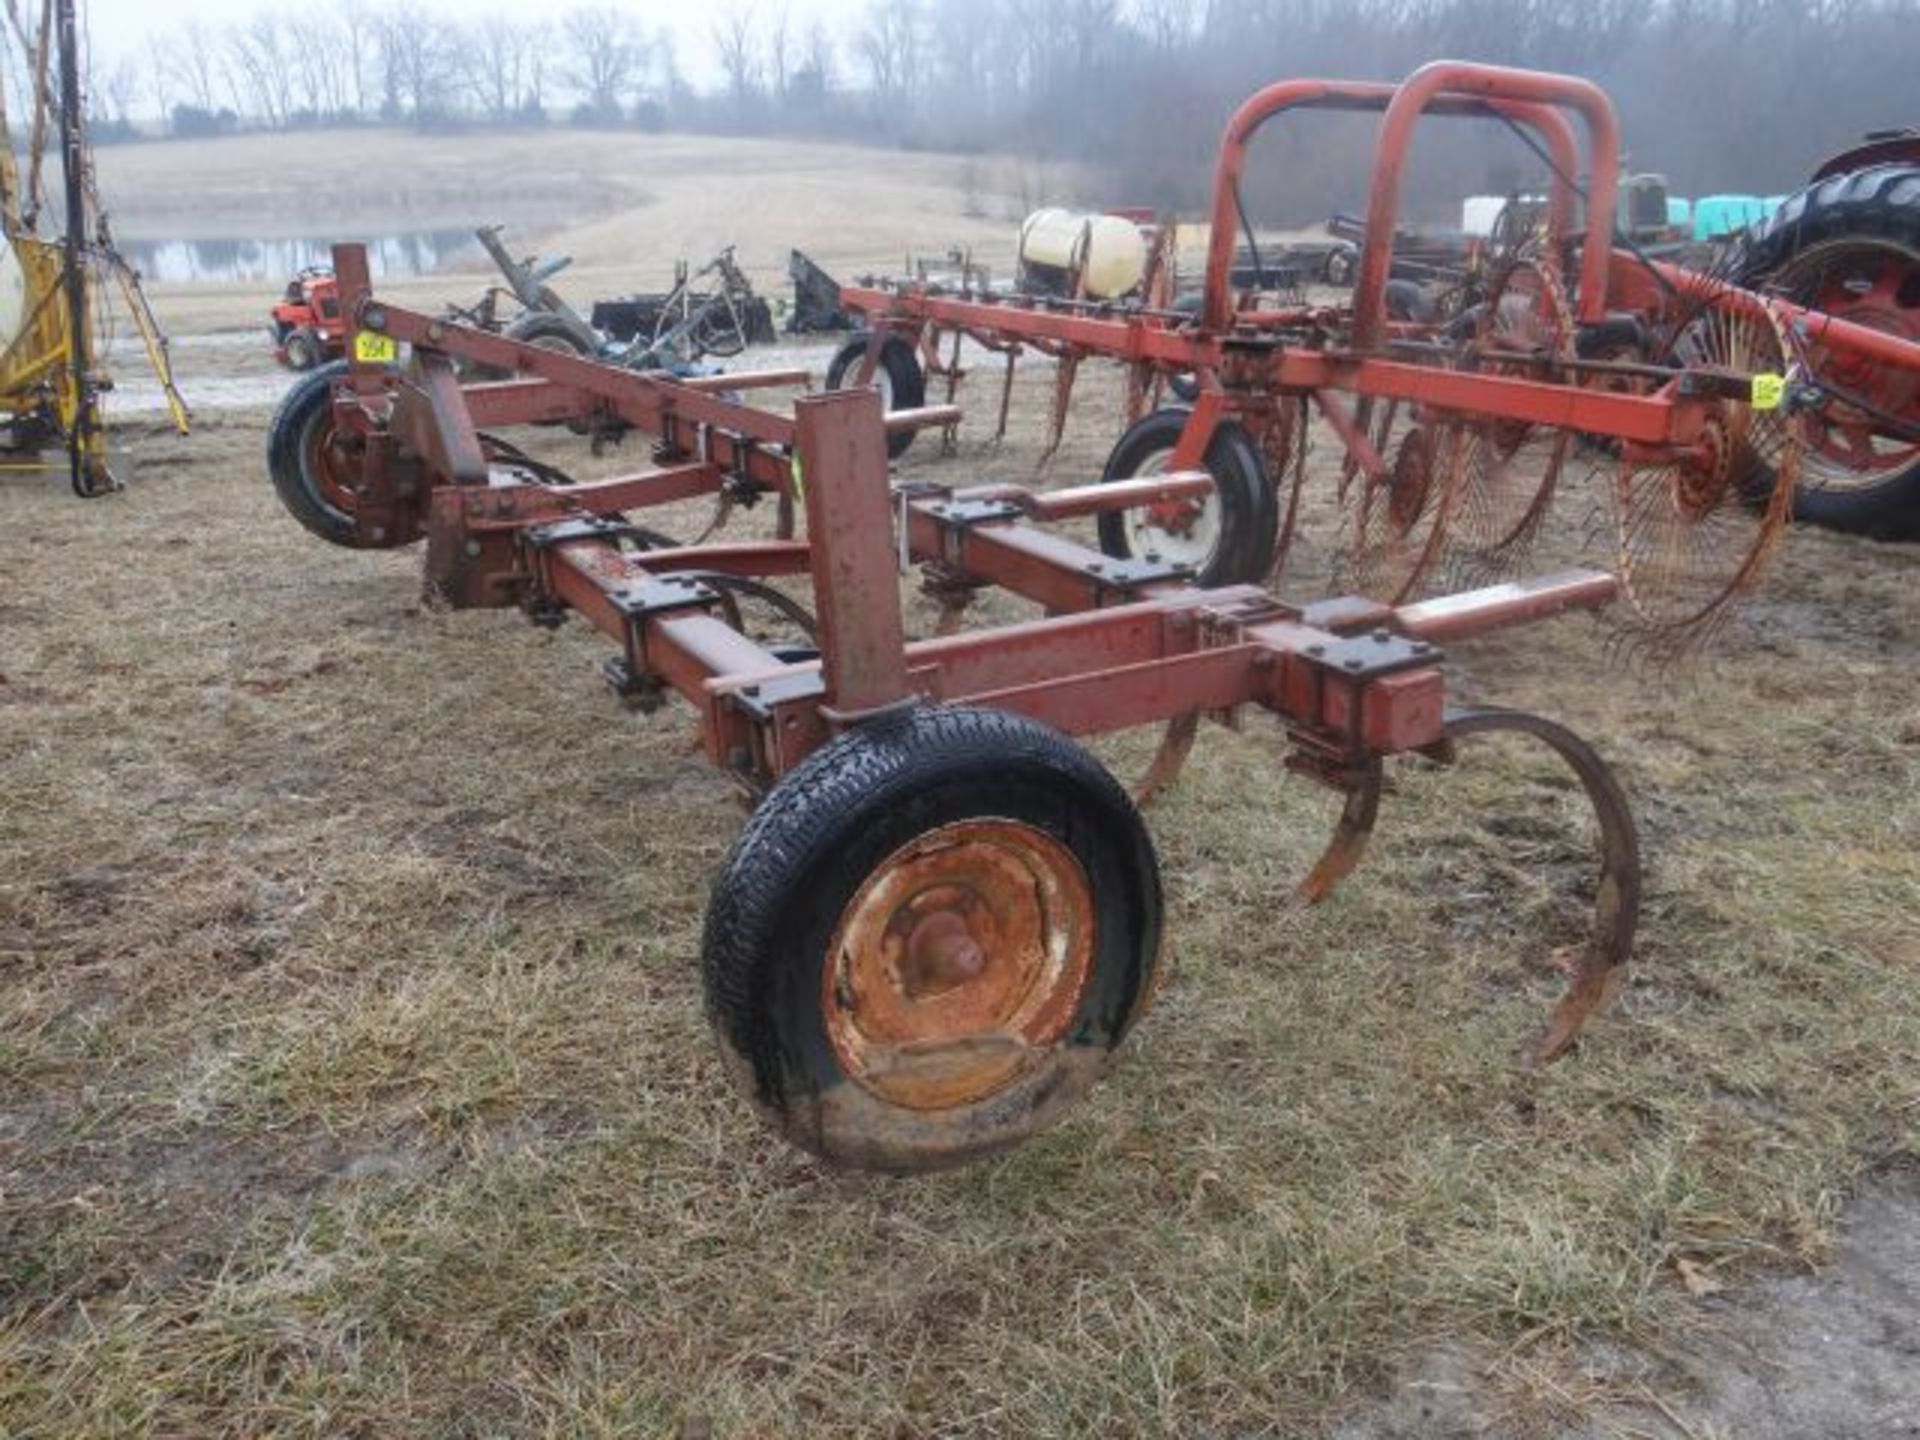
column 122, row 27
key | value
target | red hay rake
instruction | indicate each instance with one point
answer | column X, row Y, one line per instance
column 1456, row 435
column 944, row 914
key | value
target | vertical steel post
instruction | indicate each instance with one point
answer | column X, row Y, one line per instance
column 86, row 464
column 841, row 450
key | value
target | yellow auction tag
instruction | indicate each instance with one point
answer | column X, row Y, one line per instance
column 370, row 347
column 1769, row 391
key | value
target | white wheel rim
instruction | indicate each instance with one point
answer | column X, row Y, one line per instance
column 1194, row 544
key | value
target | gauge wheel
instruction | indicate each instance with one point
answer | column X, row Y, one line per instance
column 930, row 939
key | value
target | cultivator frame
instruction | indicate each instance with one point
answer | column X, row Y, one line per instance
column 1124, row 644
column 1714, row 436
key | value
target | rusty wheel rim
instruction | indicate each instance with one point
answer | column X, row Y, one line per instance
column 958, row 963
column 323, row 461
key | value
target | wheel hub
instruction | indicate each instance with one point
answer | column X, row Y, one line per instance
column 1700, row 482
column 960, row 959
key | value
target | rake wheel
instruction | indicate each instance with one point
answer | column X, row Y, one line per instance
column 1508, row 469
column 1400, row 519
column 1695, row 531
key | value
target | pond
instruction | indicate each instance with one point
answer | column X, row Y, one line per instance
column 405, row 252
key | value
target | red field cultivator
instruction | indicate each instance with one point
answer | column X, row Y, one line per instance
column 1457, row 430
column 944, row 914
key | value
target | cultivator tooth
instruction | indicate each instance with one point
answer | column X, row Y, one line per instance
column 1351, row 833
column 1598, row 972
column 1176, row 743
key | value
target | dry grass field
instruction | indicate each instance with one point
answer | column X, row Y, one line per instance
column 354, row 1082
column 623, row 204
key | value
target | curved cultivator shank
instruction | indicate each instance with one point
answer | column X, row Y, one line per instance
column 1596, row 975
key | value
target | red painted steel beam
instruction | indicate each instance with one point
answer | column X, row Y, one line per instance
column 1494, row 84
column 1276, row 99
column 1496, row 607
column 842, row 448
column 1080, row 500
column 1650, row 419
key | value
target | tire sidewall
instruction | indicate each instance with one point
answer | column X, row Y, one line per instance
column 307, row 404
column 919, row 780
column 1249, row 502
column 908, row 380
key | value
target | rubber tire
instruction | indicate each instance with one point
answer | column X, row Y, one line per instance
column 308, row 403
column 1337, row 269
column 815, row 839
column 302, row 350
column 1881, row 202
column 1249, row 500
column 534, row 327
column 903, row 371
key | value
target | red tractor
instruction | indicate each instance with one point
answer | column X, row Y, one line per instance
column 1849, row 245
column 308, row 328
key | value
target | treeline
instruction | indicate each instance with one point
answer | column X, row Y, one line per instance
column 1718, row 94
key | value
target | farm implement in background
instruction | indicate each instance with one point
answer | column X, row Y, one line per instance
column 52, row 301
column 1703, row 401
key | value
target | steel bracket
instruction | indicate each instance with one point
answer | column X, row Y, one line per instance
column 585, row 527
column 965, row 514
column 1123, row 577
column 762, row 699
column 639, row 598
column 1379, row 652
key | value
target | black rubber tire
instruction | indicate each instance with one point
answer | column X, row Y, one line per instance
column 303, row 350
column 814, row 841
column 549, row 331
column 1249, row 501
column 1881, row 202
column 1337, row 269
column 307, row 404
column 904, row 374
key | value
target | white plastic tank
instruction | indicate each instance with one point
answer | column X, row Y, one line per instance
column 1106, row 251
column 13, row 294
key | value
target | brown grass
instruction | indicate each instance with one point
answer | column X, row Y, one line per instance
column 355, row 1080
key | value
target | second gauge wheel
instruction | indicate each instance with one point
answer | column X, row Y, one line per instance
column 897, row 376
column 1227, row 538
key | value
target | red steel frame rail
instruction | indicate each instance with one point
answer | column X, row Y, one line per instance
column 1126, row 644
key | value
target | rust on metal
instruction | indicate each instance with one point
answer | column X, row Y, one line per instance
column 960, row 959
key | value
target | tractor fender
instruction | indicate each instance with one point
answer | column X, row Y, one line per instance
column 1882, row 147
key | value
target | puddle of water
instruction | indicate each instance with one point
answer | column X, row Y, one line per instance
column 405, row 252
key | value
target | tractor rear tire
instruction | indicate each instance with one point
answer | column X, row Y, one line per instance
column 1857, row 215
column 301, row 461
column 930, row 938
column 1230, row 540
column 902, row 383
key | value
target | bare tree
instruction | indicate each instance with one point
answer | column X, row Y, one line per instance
column 195, row 63
column 419, row 62
column 780, row 47
column 606, row 53
column 257, row 68
column 115, row 90
column 890, row 44
column 497, row 55
column 739, row 54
